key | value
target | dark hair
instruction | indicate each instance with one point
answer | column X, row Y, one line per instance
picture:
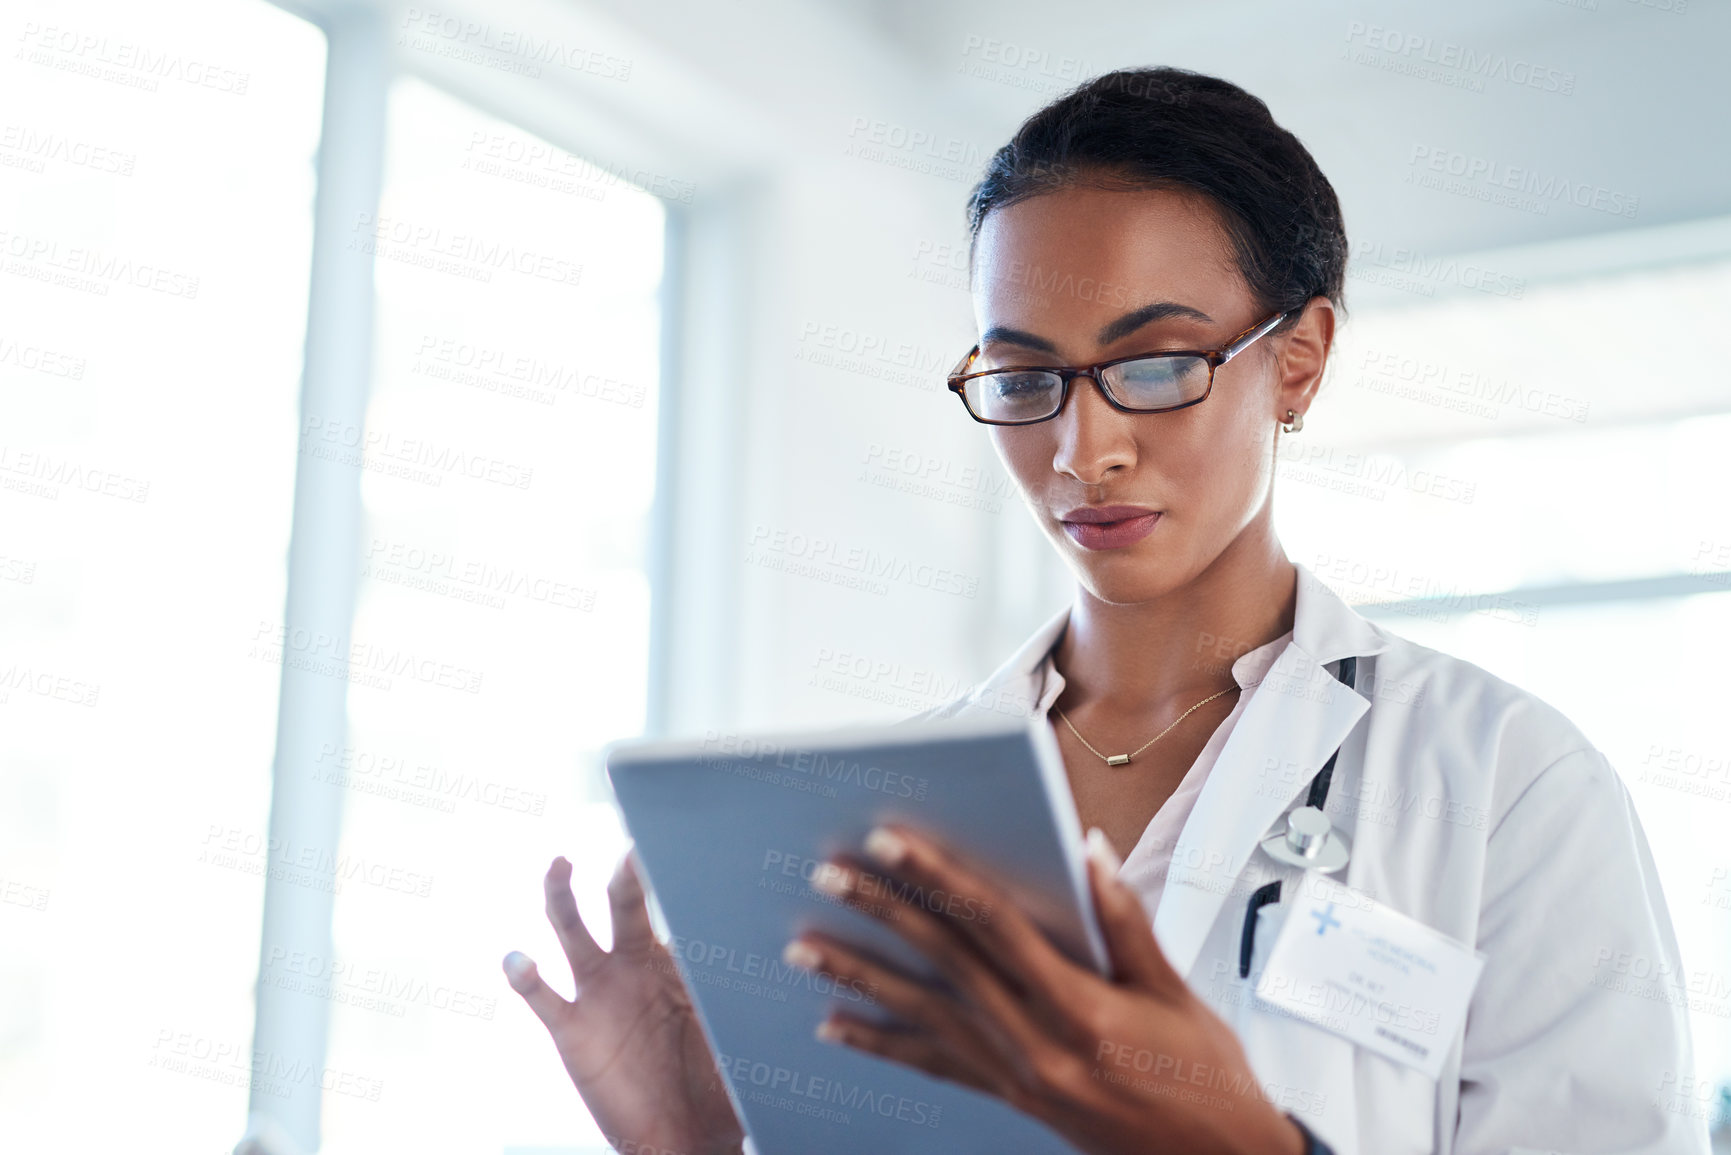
column 1153, row 128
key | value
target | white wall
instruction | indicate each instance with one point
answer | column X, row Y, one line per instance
column 792, row 246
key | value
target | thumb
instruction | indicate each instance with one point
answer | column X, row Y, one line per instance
column 1136, row 956
column 525, row 978
column 631, row 928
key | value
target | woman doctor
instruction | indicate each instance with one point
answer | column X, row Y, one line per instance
column 1204, row 691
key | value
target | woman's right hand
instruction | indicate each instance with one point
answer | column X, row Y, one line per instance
column 630, row 1040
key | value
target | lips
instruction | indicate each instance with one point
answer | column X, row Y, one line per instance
column 1109, row 526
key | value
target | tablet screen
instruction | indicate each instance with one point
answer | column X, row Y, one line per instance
column 729, row 830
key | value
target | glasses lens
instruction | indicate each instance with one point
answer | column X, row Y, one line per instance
column 1158, row 382
column 1019, row 395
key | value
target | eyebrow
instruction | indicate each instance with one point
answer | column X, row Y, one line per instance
column 1116, row 330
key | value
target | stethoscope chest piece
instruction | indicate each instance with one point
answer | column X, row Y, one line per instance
column 1310, row 842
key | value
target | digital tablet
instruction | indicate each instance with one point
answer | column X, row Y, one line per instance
column 729, row 829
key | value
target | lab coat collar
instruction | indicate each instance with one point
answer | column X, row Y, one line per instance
column 1296, row 715
column 1294, row 718
column 1021, row 670
column 1328, row 629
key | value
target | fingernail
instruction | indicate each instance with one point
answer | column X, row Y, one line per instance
column 1101, row 850
column 830, row 1032
column 830, row 878
column 799, row 954
column 886, row 846
column 518, row 965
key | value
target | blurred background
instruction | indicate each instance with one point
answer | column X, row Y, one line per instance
column 399, row 403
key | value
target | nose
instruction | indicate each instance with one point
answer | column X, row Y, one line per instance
column 1093, row 437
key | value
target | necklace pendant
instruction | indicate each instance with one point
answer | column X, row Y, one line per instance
column 1118, row 760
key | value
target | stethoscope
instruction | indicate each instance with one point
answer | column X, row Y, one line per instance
column 1309, row 843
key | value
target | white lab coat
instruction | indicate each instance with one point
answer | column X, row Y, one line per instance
column 1476, row 808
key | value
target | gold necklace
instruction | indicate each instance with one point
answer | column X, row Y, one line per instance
column 1123, row 759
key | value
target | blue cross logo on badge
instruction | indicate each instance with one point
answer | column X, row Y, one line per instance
column 1324, row 919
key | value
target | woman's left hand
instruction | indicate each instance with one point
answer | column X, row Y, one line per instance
column 1135, row 1063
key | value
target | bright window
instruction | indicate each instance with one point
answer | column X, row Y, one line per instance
column 509, row 474
column 156, row 185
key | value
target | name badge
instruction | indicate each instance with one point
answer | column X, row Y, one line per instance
column 1389, row 983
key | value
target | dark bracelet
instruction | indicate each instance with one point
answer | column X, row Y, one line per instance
column 1312, row 1145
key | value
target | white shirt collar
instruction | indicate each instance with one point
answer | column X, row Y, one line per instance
column 1324, row 626
column 1247, row 670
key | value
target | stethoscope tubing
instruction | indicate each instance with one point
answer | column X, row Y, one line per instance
column 1331, row 853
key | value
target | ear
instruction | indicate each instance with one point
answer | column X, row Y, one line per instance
column 1303, row 356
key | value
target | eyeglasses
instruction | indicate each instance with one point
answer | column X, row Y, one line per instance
column 1145, row 383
